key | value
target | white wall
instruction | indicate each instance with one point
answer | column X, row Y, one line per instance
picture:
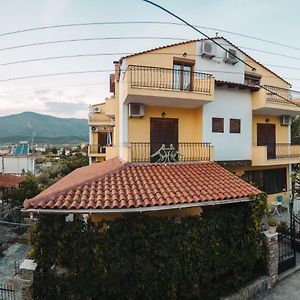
column 229, row 104
column 235, row 73
column 16, row 164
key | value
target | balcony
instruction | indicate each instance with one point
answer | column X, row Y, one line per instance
column 169, row 153
column 280, row 153
column 271, row 102
column 97, row 150
column 106, row 152
column 167, row 87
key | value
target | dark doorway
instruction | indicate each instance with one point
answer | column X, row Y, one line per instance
column 266, row 136
column 102, row 140
column 163, row 131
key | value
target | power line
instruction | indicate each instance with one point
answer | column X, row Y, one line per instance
column 90, row 39
column 227, row 51
column 110, row 70
column 114, row 54
column 269, row 52
column 54, row 87
column 135, row 38
column 62, row 57
column 146, row 22
column 54, row 74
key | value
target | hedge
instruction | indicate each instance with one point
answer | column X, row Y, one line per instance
column 142, row 257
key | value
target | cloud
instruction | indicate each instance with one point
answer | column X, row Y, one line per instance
column 42, row 92
column 65, row 107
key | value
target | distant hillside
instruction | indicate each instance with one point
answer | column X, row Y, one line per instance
column 46, row 129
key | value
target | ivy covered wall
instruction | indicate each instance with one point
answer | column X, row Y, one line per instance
column 142, row 257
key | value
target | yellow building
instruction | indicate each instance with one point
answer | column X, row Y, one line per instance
column 202, row 104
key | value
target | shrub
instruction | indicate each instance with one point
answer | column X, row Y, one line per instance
column 282, row 227
column 144, row 257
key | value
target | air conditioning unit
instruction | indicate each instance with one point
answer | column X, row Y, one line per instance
column 230, row 56
column 208, row 49
column 97, row 109
column 136, row 110
column 285, row 120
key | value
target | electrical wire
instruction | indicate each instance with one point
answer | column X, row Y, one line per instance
column 53, row 87
column 114, row 54
column 91, row 39
column 111, row 70
column 146, row 22
column 54, row 74
column 227, row 51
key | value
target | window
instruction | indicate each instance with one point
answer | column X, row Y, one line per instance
column 235, row 126
column 217, row 125
column 182, row 74
column 270, row 181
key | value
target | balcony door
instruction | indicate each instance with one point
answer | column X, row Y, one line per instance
column 104, row 139
column 266, row 136
column 163, row 131
column 182, row 77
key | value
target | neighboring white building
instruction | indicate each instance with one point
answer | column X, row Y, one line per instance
column 17, row 164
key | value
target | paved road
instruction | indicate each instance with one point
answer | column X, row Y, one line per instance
column 7, row 263
column 287, row 289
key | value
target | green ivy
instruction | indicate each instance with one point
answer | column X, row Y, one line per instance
column 144, row 257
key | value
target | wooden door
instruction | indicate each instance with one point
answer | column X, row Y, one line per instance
column 266, row 136
column 163, row 131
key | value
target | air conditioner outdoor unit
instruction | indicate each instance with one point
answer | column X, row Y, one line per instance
column 208, row 49
column 97, row 109
column 285, row 120
column 230, row 56
column 136, row 110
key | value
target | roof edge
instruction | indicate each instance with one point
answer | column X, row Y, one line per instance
column 139, row 209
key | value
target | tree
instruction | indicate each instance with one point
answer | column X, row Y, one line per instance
column 27, row 189
column 295, row 131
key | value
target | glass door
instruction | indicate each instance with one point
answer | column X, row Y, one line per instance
column 182, row 77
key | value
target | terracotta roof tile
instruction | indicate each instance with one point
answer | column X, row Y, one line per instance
column 9, row 181
column 121, row 185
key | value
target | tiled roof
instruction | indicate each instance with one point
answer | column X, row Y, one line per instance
column 117, row 185
column 205, row 39
column 9, row 181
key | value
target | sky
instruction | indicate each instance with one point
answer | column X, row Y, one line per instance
column 70, row 95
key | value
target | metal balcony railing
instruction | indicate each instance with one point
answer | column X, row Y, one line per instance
column 170, row 79
column 167, row 152
column 276, row 95
column 282, row 150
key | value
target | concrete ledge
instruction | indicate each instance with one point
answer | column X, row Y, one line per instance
column 251, row 290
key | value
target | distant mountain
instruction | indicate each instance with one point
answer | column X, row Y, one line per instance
column 46, row 129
